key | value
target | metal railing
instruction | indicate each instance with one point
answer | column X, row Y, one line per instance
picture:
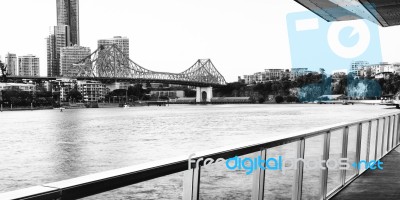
column 369, row 139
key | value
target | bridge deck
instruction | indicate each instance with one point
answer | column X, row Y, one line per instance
column 376, row 184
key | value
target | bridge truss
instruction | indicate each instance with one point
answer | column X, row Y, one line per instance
column 110, row 62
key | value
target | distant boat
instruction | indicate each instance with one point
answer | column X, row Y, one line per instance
column 126, row 106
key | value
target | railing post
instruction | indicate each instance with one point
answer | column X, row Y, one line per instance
column 383, row 137
column 376, row 139
column 368, row 143
column 388, row 133
column 324, row 170
column 398, row 129
column 298, row 179
column 191, row 184
column 259, row 178
column 358, row 147
column 344, row 153
column 394, row 135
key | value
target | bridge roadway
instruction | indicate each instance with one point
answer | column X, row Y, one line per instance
column 112, row 80
column 376, row 184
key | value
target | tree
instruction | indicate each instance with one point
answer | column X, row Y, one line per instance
column 3, row 71
column 189, row 93
column 228, row 89
column 279, row 99
column 148, row 85
column 74, row 95
column 136, row 90
column 291, row 99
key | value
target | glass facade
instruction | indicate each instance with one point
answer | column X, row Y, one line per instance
column 11, row 64
column 68, row 14
column 69, row 56
column 59, row 37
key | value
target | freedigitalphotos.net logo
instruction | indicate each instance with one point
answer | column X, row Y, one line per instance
column 315, row 43
column 333, row 46
column 281, row 164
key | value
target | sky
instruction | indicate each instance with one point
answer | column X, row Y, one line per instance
column 239, row 36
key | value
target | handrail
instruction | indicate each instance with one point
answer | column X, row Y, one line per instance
column 105, row 181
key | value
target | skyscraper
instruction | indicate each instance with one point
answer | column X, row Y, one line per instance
column 68, row 14
column 59, row 37
column 121, row 42
column 11, row 64
column 69, row 56
column 28, row 65
column 65, row 34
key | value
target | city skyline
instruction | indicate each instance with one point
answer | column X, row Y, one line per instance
column 232, row 36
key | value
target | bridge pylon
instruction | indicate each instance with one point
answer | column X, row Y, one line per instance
column 204, row 94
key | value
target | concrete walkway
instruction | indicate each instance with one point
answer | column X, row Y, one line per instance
column 376, row 184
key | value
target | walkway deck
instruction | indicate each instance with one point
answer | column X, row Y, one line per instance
column 377, row 184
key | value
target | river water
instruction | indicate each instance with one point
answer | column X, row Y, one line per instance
column 38, row 147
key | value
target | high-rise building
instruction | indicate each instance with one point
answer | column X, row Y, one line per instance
column 28, row 65
column 65, row 34
column 356, row 67
column 59, row 37
column 69, row 56
column 11, row 64
column 121, row 42
column 68, row 14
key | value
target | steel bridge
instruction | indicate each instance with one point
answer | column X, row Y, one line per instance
column 110, row 62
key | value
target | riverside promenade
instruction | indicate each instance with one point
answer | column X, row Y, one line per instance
column 376, row 184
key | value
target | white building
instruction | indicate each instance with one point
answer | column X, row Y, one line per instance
column 249, row 79
column 297, row 72
column 18, row 86
column 92, row 91
column 260, row 77
column 171, row 94
column 274, row 74
column 64, row 86
column 28, row 65
column 381, row 70
column 121, row 42
column 356, row 67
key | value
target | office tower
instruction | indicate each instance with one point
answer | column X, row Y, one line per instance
column 11, row 64
column 28, row 65
column 59, row 37
column 69, row 56
column 68, row 14
column 122, row 43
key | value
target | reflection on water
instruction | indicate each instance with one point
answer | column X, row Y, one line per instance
column 38, row 147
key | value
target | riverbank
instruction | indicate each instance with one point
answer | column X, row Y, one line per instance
column 25, row 108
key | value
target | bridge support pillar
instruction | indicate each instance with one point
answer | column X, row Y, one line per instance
column 204, row 94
